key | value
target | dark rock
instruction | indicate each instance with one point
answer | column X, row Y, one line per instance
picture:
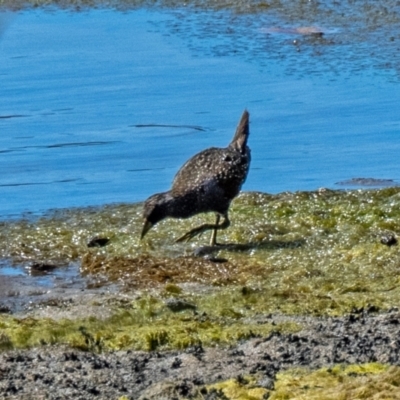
column 389, row 239
column 98, row 242
column 41, row 268
column 177, row 305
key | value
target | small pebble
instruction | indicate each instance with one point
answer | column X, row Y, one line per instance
column 38, row 268
column 177, row 305
column 98, row 242
column 389, row 239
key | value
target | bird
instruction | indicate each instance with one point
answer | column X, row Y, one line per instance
column 207, row 182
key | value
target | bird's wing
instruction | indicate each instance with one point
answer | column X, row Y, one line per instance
column 200, row 169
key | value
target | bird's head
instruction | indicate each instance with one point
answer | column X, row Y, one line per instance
column 155, row 210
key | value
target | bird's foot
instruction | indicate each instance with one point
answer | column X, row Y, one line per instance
column 193, row 233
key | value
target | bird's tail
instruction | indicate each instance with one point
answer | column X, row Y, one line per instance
column 239, row 141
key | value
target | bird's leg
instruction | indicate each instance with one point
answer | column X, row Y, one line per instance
column 207, row 227
column 213, row 240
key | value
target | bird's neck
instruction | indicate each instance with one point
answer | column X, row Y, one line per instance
column 178, row 206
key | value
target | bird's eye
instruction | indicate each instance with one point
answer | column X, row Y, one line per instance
column 228, row 158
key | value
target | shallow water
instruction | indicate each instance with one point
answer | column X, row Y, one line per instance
column 87, row 98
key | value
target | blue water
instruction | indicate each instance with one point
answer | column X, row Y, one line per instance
column 76, row 88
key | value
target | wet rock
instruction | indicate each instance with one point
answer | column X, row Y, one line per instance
column 168, row 390
column 176, row 363
column 4, row 309
column 98, row 242
column 177, row 305
column 205, row 251
column 266, row 383
column 389, row 239
column 367, row 182
column 217, row 260
column 197, row 351
column 301, row 30
column 41, row 268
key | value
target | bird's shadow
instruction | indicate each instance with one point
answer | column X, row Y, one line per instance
column 243, row 247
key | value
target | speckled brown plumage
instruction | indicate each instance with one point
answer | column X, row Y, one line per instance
column 208, row 181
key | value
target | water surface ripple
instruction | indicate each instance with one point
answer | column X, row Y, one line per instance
column 104, row 106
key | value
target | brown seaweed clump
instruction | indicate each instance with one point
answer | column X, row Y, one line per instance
column 146, row 271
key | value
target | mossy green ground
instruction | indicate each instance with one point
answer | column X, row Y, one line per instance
column 314, row 253
column 356, row 382
column 366, row 381
column 146, row 324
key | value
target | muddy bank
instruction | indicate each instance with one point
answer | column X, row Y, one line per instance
column 63, row 373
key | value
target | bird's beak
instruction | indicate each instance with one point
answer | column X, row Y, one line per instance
column 146, row 227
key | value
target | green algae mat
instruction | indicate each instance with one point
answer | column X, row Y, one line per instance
column 323, row 253
column 320, row 253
